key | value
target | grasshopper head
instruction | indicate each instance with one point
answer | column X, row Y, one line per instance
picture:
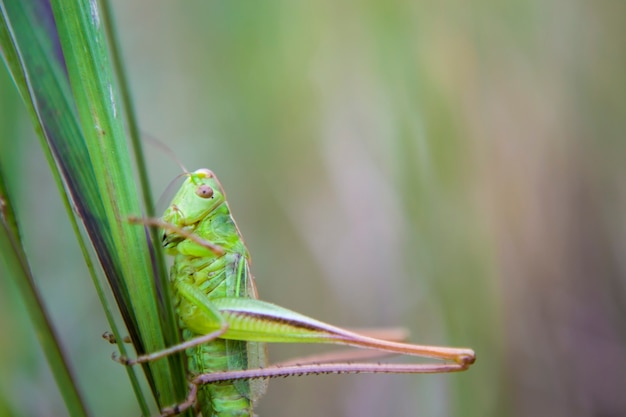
column 200, row 194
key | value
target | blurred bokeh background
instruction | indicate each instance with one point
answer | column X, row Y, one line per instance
column 456, row 168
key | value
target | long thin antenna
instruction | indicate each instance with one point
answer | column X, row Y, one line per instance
column 165, row 149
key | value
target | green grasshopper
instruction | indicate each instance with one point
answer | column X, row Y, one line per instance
column 225, row 326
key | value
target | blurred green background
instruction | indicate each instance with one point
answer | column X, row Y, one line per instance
column 452, row 167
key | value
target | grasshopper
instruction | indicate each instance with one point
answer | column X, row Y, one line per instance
column 225, row 327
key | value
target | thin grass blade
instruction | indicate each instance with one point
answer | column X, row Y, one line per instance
column 19, row 271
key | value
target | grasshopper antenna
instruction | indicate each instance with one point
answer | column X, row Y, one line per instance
column 173, row 185
column 165, row 149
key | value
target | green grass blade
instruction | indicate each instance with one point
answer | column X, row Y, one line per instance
column 30, row 46
column 19, row 271
column 97, row 99
column 169, row 324
column 83, row 128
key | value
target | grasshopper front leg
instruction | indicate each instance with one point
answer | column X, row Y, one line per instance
column 210, row 314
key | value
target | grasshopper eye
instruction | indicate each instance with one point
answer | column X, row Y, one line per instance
column 204, row 191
